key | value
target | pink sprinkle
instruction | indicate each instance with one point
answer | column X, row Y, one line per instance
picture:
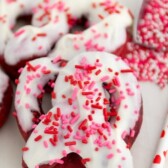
column 42, row 116
column 18, row 33
column 34, row 126
column 91, row 85
column 135, row 112
column 75, row 119
column 88, row 44
column 27, row 106
column 18, row 92
column 113, row 142
column 64, row 153
column 28, row 90
column 35, row 131
column 116, row 81
column 109, row 156
column 126, row 106
column 45, row 143
column 105, row 35
column 112, row 91
column 105, row 78
column 98, row 64
column 20, row 70
column 40, row 47
column 93, row 30
column 123, row 158
column 18, row 101
column 76, row 47
column 56, row 20
column 97, row 36
column 132, row 133
column 78, row 151
column 74, row 94
column 59, row 161
column 40, row 87
column 124, row 134
column 56, row 59
column 118, row 150
column 86, row 107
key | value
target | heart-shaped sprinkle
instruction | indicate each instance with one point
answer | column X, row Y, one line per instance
column 157, row 159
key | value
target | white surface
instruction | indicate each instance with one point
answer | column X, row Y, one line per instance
column 155, row 109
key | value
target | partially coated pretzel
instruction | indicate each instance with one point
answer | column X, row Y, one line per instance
column 98, row 104
column 51, row 20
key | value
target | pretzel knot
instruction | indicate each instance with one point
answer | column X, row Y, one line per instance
column 97, row 105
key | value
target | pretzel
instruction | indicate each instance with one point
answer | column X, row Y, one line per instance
column 97, row 104
column 51, row 20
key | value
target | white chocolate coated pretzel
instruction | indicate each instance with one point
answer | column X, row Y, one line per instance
column 81, row 120
column 51, row 20
column 108, row 35
column 9, row 11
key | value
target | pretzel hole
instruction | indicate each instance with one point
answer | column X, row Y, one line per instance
column 44, row 98
column 72, row 160
column 44, row 103
column 113, row 97
column 22, row 21
column 78, row 25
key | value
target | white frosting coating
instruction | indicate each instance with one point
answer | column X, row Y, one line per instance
column 31, row 41
column 108, row 35
column 130, row 97
column 47, row 142
column 8, row 19
column 39, row 154
column 4, row 82
column 29, row 87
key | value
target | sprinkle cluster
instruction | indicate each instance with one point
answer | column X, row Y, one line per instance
column 149, row 65
column 153, row 25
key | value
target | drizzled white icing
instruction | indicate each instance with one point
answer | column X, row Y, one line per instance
column 50, row 19
column 81, row 97
column 4, row 81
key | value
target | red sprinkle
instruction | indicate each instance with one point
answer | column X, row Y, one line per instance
column 70, row 143
column 25, row 149
column 85, row 160
column 38, row 138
